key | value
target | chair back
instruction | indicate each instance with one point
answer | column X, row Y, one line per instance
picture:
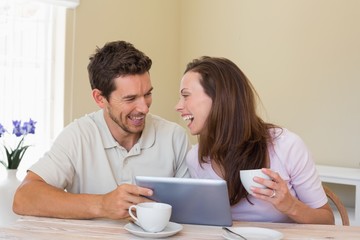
column 339, row 205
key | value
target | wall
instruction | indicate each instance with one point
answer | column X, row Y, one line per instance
column 302, row 56
column 152, row 26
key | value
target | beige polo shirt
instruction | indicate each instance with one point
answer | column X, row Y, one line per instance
column 85, row 158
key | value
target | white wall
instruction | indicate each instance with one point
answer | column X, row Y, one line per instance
column 152, row 26
column 303, row 57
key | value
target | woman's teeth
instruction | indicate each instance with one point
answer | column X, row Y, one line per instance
column 188, row 117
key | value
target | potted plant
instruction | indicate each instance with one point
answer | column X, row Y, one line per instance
column 15, row 155
column 11, row 158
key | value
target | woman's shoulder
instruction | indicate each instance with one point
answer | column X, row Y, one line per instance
column 288, row 150
column 193, row 152
column 283, row 136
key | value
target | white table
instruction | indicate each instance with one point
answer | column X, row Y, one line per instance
column 36, row 228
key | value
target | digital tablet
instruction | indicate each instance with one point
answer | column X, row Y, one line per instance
column 193, row 201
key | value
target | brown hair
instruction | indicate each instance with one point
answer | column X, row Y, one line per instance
column 115, row 59
column 233, row 136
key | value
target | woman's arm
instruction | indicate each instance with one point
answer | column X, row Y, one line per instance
column 277, row 193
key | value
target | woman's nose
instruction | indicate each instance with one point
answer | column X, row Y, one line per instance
column 179, row 106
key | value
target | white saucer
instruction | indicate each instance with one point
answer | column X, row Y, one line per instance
column 171, row 229
column 253, row 233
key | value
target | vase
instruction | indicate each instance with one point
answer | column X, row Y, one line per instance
column 8, row 185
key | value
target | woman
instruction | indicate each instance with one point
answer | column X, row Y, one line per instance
column 219, row 103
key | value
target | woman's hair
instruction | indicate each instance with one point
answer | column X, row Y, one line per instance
column 115, row 59
column 233, row 136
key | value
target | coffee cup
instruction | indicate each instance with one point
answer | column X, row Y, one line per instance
column 151, row 216
column 247, row 179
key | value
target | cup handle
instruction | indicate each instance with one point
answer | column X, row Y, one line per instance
column 131, row 213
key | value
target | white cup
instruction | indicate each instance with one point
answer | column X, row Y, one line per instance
column 247, row 179
column 151, row 216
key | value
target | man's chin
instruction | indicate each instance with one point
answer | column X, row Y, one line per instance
column 137, row 129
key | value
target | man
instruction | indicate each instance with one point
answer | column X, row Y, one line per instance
column 95, row 158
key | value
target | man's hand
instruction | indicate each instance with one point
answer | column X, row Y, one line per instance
column 115, row 204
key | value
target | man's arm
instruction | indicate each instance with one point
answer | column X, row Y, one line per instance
column 37, row 198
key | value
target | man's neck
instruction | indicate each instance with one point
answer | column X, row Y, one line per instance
column 125, row 139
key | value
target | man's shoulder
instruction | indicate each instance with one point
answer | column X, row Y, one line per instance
column 84, row 124
column 157, row 118
column 158, row 121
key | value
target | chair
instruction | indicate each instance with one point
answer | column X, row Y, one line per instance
column 339, row 205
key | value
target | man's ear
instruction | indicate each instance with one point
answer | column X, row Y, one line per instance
column 99, row 99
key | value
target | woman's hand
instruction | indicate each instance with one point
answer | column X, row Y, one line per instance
column 277, row 192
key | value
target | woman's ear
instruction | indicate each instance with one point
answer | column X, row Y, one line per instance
column 99, row 98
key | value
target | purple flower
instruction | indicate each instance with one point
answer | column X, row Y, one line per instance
column 2, row 130
column 17, row 128
column 21, row 130
column 14, row 155
column 28, row 127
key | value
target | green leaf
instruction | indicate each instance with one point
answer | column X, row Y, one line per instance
column 15, row 156
column 3, row 163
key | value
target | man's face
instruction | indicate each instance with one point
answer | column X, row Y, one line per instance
column 130, row 102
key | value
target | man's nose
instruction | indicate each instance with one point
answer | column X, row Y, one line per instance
column 143, row 106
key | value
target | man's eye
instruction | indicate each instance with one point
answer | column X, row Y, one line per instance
column 130, row 99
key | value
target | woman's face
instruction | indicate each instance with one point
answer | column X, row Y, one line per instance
column 194, row 105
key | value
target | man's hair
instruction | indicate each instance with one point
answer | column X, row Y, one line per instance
column 115, row 59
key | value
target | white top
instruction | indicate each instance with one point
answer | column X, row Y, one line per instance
column 292, row 160
column 85, row 158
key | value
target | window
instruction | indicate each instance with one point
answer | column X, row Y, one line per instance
column 32, row 46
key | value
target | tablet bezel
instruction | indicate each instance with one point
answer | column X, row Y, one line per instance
column 194, row 201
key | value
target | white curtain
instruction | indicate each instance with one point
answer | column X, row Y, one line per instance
column 63, row 3
column 31, row 35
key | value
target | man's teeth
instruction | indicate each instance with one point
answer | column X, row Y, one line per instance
column 188, row 117
column 136, row 118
